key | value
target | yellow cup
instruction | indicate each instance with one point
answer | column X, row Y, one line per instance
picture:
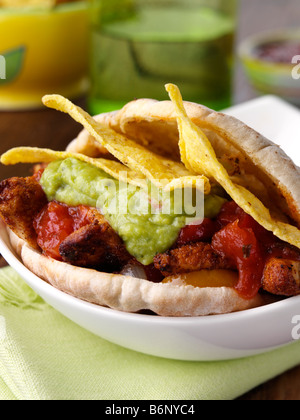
column 42, row 51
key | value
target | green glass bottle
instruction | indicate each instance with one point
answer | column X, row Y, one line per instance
column 137, row 46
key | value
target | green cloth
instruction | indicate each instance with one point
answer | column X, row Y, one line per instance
column 45, row 356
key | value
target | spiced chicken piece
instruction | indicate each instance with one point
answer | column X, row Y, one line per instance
column 95, row 246
column 193, row 257
column 282, row 277
column 21, row 199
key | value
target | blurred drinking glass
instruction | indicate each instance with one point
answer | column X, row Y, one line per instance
column 44, row 49
column 139, row 45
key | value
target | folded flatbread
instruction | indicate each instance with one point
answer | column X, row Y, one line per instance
column 253, row 162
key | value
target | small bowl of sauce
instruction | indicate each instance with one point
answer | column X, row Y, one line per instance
column 272, row 63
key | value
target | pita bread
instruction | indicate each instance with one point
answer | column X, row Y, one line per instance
column 261, row 166
column 130, row 294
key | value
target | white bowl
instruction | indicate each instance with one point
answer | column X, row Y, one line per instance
column 219, row 337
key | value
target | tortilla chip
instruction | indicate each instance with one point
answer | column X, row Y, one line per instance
column 199, row 156
column 162, row 172
column 35, row 155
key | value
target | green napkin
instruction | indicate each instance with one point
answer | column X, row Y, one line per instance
column 45, row 356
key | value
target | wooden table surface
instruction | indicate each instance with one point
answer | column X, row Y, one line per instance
column 47, row 128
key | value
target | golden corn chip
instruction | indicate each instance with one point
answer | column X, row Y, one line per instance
column 162, row 172
column 199, row 156
column 35, row 155
column 115, row 169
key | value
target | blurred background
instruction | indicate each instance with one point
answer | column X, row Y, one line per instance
column 95, row 53
column 259, row 16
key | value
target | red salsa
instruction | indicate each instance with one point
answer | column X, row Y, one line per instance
column 237, row 236
column 55, row 223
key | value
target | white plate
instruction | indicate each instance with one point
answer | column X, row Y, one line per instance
column 218, row 337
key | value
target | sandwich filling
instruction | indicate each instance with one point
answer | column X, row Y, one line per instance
column 81, row 211
column 76, row 224
column 148, row 221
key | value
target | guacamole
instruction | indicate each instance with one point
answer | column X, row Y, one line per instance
column 148, row 220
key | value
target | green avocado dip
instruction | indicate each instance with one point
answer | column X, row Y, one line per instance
column 148, row 221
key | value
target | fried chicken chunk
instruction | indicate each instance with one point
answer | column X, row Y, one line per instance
column 95, row 245
column 194, row 257
column 282, row 277
column 21, row 199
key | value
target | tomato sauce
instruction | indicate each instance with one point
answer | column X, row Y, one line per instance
column 55, row 223
column 237, row 236
column 243, row 248
column 197, row 233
